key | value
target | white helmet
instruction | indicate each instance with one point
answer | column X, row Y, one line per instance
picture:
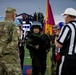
column 70, row 11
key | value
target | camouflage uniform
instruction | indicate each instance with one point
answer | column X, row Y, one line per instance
column 55, row 51
column 9, row 56
column 53, row 56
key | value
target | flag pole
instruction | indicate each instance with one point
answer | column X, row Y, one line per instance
column 36, row 16
column 49, row 23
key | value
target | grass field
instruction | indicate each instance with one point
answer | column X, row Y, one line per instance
column 27, row 61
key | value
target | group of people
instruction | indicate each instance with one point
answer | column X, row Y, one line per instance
column 38, row 43
column 65, row 45
column 66, row 42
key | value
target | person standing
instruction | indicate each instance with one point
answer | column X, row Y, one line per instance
column 20, row 44
column 38, row 44
column 55, row 52
column 9, row 55
column 66, row 41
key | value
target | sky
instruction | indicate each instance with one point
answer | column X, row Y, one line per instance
column 31, row 6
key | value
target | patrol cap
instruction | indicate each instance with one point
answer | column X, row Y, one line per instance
column 69, row 11
column 10, row 10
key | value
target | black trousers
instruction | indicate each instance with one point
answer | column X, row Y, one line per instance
column 66, row 65
column 38, row 64
column 21, row 48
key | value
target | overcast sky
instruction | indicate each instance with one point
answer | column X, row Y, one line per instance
column 31, row 6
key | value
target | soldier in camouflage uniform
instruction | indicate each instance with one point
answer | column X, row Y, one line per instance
column 55, row 53
column 53, row 56
column 38, row 44
column 9, row 56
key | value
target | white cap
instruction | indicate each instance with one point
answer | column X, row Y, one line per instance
column 70, row 11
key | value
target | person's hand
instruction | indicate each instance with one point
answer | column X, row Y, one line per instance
column 37, row 46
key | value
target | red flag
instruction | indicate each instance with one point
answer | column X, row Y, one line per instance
column 49, row 19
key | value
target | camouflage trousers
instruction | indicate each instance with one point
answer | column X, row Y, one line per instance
column 10, row 69
column 53, row 68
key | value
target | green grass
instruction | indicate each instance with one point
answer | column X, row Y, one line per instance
column 27, row 61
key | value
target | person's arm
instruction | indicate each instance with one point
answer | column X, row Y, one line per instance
column 63, row 36
column 58, row 45
column 29, row 44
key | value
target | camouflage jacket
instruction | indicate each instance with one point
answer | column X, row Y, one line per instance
column 8, row 38
column 9, row 56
